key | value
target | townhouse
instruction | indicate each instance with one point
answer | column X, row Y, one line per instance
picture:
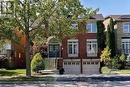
column 80, row 52
column 122, row 32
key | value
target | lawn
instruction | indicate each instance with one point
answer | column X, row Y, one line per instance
column 121, row 71
column 15, row 72
column 106, row 70
column 20, row 75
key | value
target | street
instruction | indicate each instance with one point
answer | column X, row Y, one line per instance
column 73, row 84
column 76, row 81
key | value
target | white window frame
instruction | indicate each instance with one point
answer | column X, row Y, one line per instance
column 126, row 43
column 128, row 27
column 73, row 43
column 91, row 54
column 74, row 26
column 91, row 29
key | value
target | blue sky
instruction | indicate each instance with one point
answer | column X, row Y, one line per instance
column 109, row 7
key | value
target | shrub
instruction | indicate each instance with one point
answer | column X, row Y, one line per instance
column 37, row 63
column 122, row 57
column 105, row 70
column 105, row 56
column 115, row 63
column 122, row 61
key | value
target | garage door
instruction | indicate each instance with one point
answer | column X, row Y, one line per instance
column 91, row 67
column 71, row 67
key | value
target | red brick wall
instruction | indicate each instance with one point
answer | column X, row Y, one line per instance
column 82, row 45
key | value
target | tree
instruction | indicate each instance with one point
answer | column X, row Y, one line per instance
column 100, row 35
column 44, row 18
column 110, row 38
column 101, row 39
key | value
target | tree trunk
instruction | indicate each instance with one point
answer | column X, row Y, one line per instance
column 28, row 61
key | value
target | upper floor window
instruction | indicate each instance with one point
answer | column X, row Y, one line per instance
column 126, row 27
column 73, row 48
column 91, row 47
column 91, row 27
column 74, row 26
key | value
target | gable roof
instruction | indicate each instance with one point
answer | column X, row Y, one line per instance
column 118, row 17
column 98, row 17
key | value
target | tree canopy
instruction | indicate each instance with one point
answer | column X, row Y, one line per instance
column 39, row 19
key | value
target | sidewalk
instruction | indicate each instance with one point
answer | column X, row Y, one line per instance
column 74, row 78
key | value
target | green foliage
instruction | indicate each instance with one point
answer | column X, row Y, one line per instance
column 37, row 63
column 105, row 70
column 39, row 19
column 115, row 63
column 15, row 72
column 105, row 56
column 122, row 57
column 100, row 35
column 110, row 38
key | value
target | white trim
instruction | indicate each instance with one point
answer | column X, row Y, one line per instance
column 128, row 27
column 91, row 40
column 93, row 52
column 91, row 29
column 74, row 25
column 73, row 40
column 125, row 45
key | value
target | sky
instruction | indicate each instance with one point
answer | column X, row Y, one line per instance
column 109, row 7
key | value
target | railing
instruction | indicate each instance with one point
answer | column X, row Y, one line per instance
column 3, row 57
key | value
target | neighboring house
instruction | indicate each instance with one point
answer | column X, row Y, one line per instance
column 80, row 53
column 122, row 28
column 5, row 50
column 5, row 53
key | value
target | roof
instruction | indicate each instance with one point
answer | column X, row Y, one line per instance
column 98, row 17
column 95, row 17
column 119, row 17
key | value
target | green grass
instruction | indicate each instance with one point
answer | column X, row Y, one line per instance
column 20, row 75
column 121, row 71
column 106, row 70
column 23, row 78
column 13, row 72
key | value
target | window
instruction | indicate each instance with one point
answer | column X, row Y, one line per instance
column 74, row 26
column 91, row 27
column 126, row 46
column 91, row 47
column 126, row 27
column 73, row 48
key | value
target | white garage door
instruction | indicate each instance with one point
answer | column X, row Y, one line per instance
column 71, row 67
column 91, row 67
